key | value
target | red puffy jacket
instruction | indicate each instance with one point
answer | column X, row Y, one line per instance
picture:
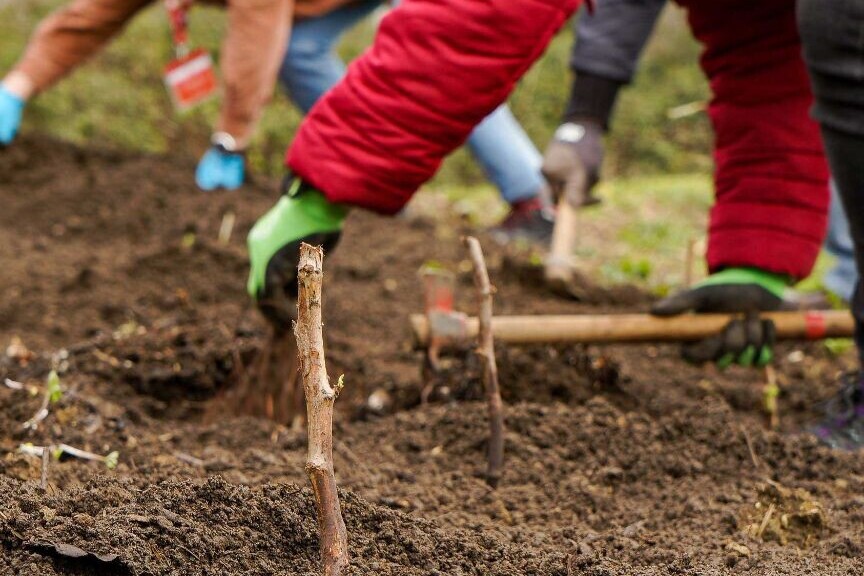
column 438, row 67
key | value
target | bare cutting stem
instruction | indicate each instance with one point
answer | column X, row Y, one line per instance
column 486, row 349
column 320, row 397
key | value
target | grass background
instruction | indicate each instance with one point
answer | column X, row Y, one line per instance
column 657, row 186
column 118, row 97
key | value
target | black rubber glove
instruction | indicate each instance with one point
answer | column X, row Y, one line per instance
column 747, row 340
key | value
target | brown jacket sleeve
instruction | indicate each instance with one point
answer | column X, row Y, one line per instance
column 71, row 35
column 252, row 50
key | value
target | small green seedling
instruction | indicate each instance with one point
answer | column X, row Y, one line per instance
column 838, row 346
column 54, row 389
column 189, row 240
column 432, row 266
column 112, row 459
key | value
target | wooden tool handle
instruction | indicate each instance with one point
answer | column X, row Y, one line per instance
column 559, row 262
column 587, row 329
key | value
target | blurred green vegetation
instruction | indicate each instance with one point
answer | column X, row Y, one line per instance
column 118, row 99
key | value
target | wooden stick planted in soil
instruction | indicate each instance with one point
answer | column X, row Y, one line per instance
column 486, row 349
column 320, row 397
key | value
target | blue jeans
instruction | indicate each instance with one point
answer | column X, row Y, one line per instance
column 842, row 277
column 311, row 67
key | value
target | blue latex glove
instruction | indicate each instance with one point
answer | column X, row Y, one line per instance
column 11, row 108
column 219, row 168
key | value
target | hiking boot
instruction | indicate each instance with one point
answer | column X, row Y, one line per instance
column 529, row 222
column 843, row 425
column 302, row 214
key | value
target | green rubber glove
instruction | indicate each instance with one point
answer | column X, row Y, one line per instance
column 301, row 215
column 747, row 341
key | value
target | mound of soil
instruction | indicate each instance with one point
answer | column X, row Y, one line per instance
column 619, row 460
column 216, row 527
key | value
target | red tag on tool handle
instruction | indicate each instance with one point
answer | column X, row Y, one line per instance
column 190, row 80
column 815, row 325
column 177, row 10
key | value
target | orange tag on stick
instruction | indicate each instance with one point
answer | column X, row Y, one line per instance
column 190, row 80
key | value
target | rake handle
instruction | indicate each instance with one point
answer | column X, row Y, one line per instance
column 608, row 328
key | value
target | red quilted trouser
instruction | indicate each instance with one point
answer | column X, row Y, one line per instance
column 436, row 69
column 771, row 176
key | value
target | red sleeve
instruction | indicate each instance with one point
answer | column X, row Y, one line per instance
column 436, row 69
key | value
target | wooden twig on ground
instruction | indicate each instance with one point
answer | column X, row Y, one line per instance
column 320, row 397
column 227, row 227
column 486, row 349
column 46, row 458
column 753, row 457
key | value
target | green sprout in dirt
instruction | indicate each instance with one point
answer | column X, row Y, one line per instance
column 54, row 390
column 432, row 266
column 53, row 394
column 770, row 393
column 838, row 346
column 112, row 459
column 189, row 240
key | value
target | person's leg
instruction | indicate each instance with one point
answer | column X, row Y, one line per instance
column 831, row 32
column 311, row 65
column 771, row 177
column 512, row 162
column 508, row 156
column 846, row 153
column 843, row 275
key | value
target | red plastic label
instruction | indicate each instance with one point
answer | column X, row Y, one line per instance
column 815, row 325
column 190, row 80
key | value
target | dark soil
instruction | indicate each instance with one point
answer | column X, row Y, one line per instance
column 619, row 460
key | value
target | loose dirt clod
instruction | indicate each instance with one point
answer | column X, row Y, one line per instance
column 784, row 515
